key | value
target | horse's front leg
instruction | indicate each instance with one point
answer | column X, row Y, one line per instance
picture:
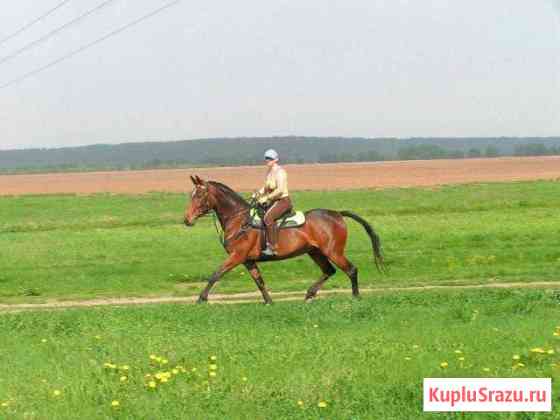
column 233, row 261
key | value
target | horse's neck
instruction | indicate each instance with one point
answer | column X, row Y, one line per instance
column 226, row 208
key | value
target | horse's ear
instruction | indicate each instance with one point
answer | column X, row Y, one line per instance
column 200, row 181
column 193, row 180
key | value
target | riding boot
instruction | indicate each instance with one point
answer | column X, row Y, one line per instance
column 271, row 235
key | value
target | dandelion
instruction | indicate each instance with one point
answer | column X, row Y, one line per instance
column 193, row 369
column 213, row 358
column 164, row 361
column 537, row 350
column 213, row 367
column 444, row 365
column 147, row 375
column 407, row 358
column 520, row 365
column 458, row 352
column 152, row 384
column 164, row 379
column 516, row 357
column 115, row 403
column 125, row 367
column 5, row 404
column 551, row 351
column 212, row 374
column 486, row 369
column 44, row 340
column 244, row 379
column 322, row 404
column 461, row 359
column 415, row 346
column 153, row 357
column 124, row 378
column 175, row 371
column 56, row 393
column 97, row 337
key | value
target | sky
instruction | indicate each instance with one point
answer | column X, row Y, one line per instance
column 359, row 68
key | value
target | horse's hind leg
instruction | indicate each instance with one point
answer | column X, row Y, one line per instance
column 351, row 271
column 326, row 267
column 256, row 275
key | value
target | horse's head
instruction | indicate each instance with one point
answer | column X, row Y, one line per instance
column 201, row 201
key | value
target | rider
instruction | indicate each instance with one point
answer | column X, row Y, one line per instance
column 274, row 194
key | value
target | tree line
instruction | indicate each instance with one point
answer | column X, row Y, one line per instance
column 249, row 151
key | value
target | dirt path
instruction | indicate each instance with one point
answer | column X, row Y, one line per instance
column 255, row 297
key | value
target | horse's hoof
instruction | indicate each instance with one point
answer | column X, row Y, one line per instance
column 201, row 301
column 309, row 299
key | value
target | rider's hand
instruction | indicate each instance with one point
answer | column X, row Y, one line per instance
column 263, row 200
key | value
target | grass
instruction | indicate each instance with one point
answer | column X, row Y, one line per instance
column 119, row 245
column 363, row 359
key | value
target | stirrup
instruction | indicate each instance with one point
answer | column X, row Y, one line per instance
column 269, row 251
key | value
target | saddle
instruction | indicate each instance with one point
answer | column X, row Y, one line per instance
column 288, row 220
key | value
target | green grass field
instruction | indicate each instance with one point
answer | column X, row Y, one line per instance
column 117, row 245
column 337, row 358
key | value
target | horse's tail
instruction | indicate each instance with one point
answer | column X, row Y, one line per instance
column 375, row 241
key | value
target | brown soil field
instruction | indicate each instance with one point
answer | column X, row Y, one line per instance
column 301, row 177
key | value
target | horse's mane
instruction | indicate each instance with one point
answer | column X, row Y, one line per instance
column 228, row 192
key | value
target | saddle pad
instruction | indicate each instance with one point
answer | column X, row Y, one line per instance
column 296, row 220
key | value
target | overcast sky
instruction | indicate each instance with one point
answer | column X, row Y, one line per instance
column 369, row 68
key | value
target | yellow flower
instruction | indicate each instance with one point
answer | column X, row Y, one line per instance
column 44, row 340
column 244, row 379
column 458, row 352
column 164, row 379
column 537, row 350
column 443, row 365
column 97, row 337
column 175, row 371
column 520, row 365
column 516, row 357
column 315, row 326
column 407, row 358
column 5, row 404
column 461, row 359
column 115, row 403
column 164, row 361
column 213, row 358
column 56, row 393
column 123, row 378
column 153, row 357
column 300, row 403
column 551, row 351
column 213, row 367
column 322, row 404
column 556, row 333
column 125, row 367
column 486, row 369
column 193, row 369
column 212, row 374
column 152, row 384
column 147, row 375
column 415, row 346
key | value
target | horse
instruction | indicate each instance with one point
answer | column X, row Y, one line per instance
column 322, row 237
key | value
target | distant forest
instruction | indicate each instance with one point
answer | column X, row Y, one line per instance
column 249, row 151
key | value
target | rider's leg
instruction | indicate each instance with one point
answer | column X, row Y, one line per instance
column 274, row 212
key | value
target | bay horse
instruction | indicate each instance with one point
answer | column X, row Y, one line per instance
column 322, row 237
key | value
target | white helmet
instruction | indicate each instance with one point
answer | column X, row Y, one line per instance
column 271, row 154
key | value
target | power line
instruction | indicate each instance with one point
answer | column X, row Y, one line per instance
column 91, row 44
column 33, row 22
column 54, row 31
